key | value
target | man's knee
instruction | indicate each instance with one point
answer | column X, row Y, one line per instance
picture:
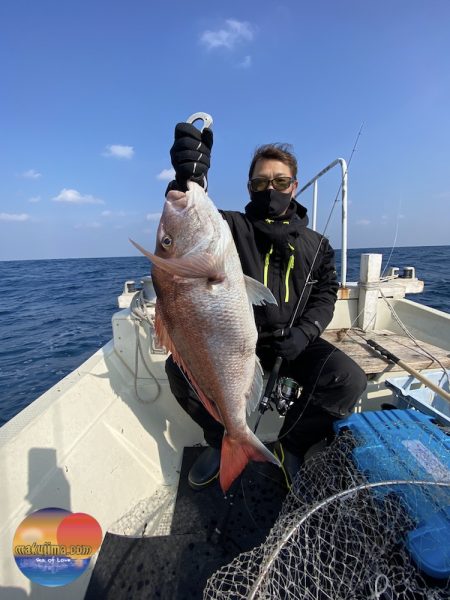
column 357, row 379
column 340, row 389
column 354, row 382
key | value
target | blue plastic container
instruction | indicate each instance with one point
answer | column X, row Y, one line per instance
column 407, row 445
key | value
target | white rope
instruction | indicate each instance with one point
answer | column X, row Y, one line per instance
column 138, row 311
column 413, row 339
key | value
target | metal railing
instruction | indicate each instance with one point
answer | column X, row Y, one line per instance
column 343, row 188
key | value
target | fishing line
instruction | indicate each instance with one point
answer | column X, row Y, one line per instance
column 413, row 339
column 327, row 223
column 246, row 505
column 357, row 333
column 318, row 377
column 264, row 402
column 358, row 315
column 395, row 236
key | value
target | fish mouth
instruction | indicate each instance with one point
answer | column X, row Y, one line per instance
column 177, row 200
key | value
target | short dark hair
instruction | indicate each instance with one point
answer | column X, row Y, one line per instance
column 281, row 152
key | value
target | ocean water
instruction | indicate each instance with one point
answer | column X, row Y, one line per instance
column 55, row 313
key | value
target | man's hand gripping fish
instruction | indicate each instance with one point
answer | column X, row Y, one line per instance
column 205, row 318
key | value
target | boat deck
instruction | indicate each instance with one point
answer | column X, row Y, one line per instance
column 352, row 342
column 176, row 566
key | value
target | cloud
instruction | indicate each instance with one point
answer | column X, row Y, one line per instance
column 115, row 213
column 246, row 63
column 232, row 34
column 88, row 225
column 166, row 175
column 14, row 217
column 363, row 222
column 70, row 196
column 117, row 151
column 34, row 199
column 31, row 174
column 153, row 216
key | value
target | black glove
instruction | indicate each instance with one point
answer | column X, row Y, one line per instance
column 191, row 154
column 289, row 342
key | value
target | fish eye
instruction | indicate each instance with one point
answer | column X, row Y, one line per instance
column 166, row 241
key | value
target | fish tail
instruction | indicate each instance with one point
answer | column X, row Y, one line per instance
column 236, row 453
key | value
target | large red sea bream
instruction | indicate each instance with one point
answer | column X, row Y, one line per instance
column 204, row 316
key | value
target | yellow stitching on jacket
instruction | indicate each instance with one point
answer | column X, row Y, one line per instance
column 266, row 265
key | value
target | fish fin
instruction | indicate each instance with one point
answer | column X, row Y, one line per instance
column 165, row 339
column 187, row 267
column 194, row 267
column 254, row 393
column 160, row 329
column 236, row 453
column 207, row 403
column 258, row 293
column 225, row 239
column 146, row 253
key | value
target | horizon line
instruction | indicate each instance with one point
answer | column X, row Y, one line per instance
column 140, row 255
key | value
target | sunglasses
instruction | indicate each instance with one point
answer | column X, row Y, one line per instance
column 259, row 184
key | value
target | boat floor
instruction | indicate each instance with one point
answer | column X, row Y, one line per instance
column 177, row 566
column 352, row 342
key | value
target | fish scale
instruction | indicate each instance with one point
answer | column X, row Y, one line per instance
column 209, row 345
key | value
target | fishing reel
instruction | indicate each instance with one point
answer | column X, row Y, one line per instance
column 285, row 393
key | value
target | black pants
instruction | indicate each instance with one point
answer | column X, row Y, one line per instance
column 332, row 383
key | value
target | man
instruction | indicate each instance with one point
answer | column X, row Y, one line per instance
column 277, row 248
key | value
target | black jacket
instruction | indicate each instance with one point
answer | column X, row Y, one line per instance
column 280, row 254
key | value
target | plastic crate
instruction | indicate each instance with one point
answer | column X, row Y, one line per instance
column 406, row 445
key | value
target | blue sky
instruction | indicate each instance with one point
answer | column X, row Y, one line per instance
column 91, row 92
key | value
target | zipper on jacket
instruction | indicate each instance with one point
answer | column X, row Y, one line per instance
column 289, row 268
column 266, row 265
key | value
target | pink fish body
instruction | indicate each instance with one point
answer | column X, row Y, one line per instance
column 204, row 316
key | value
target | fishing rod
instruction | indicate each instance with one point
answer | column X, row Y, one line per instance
column 264, row 403
column 218, row 532
column 408, row 368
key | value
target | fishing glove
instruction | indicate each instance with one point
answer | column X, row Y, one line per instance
column 289, row 342
column 191, row 155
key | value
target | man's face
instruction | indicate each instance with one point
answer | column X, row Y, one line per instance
column 270, row 168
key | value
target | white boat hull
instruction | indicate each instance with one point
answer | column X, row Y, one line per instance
column 90, row 445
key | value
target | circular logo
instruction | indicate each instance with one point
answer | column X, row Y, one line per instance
column 53, row 546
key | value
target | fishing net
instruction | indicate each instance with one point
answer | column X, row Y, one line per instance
column 339, row 537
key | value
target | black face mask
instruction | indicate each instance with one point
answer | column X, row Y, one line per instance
column 269, row 203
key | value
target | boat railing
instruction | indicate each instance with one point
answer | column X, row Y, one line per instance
column 343, row 190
